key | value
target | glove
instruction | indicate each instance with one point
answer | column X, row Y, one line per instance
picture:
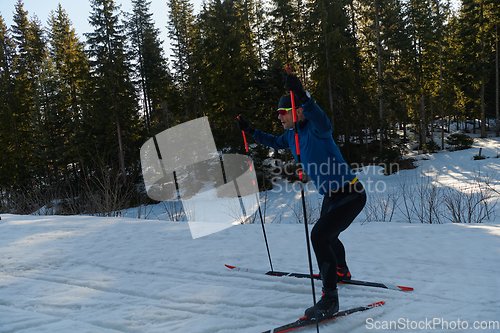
column 243, row 125
column 293, row 84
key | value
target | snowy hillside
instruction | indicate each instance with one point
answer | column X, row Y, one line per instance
column 88, row 274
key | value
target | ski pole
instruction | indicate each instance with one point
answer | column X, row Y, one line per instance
column 301, row 179
column 257, row 197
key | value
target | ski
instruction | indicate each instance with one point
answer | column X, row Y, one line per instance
column 317, row 277
column 304, row 321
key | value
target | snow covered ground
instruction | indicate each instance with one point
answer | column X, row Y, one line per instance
column 125, row 274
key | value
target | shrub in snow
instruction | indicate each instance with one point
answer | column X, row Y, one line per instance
column 422, row 200
column 432, row 146
column 459, row 141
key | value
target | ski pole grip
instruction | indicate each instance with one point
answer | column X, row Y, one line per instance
column 244, row 136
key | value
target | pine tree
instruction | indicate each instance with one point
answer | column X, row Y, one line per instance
column 395, row 61
column 441, row 82
column 25, row 104
column 112, row 122
column 490, row 94
column 285, row 26
column 424, row 49
column 374, row 20
column 469, row 61
column 229, row 65
column 151, row 68
column 334, row 54
column 46, row 135
column 68, row 63
column 181, row 28
column 268, row 84
column 7, row 163
column 495, row 22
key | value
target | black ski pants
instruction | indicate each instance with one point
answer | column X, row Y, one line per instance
column 338, row 210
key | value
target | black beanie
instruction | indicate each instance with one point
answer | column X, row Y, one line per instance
column 286, row 102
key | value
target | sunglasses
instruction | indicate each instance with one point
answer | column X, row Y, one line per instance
column 284, row 111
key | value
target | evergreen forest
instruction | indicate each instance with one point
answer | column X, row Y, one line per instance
column 75, row 111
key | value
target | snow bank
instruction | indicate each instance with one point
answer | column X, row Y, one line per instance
column 86, row 274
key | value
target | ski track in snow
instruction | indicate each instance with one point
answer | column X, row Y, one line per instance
column 86, row 274
column 83, row 274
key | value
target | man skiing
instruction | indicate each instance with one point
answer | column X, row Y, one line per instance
column 344, row 195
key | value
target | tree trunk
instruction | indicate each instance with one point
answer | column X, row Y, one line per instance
column 330, row 93
column 432, row 121
column 120, row 148
column 441, row 82
column 497, row 118
column 483, row 78
column 423, row 126
column 379, row 65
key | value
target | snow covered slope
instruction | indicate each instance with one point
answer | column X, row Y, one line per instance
column 83, row 274
column 86, row 274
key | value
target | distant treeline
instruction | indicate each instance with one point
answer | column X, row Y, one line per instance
column 74, row 113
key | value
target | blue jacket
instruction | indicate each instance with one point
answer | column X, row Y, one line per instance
column 320, row 156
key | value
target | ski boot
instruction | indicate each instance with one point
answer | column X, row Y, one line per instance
column 327, row 305
column 343, row 274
